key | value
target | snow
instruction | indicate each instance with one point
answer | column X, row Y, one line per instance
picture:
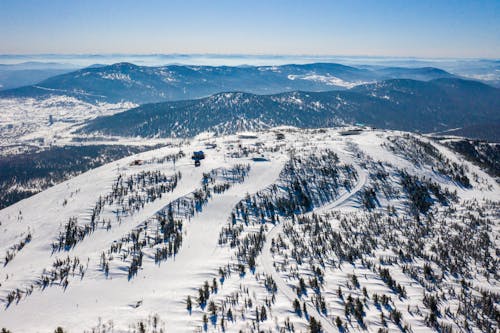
column 162, row 288
column 267, row 260
column 117, row 77
column 327, row 79
column 26, row 120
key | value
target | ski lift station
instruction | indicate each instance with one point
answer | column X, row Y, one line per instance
column 197, row 157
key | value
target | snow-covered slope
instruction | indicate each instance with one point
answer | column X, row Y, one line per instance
column 144, row 84
column 41, row 121
column 279, row 230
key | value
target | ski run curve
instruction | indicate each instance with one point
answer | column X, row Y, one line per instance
column 266, row 259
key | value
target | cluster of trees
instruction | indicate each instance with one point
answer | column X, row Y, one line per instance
column 220, row 180
column 482, row 309
column 59, row 273
column 71, row 234
column 152, row 324
column 423, row 153
column 270, row 284
column 14, row 249
column 304, row 183
column 369, row 198
column 250, row 246
column 166, row 159
column 163, row 232
column 29, row 173
column 129, row 194
column 170, row 236
column 455, row 239
column 485, row 155
column 235, row 174
column 205, row 292
column 133, row 192
column 241, row 304
column 356, row 308
column 391, row 283
column 382, row 178
column 421, row 193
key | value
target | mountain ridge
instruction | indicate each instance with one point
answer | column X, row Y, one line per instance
column 145, row 84
column 396, row 104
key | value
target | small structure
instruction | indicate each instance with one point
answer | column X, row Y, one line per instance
column 352, row 131
column 280, row 136
column 136, row 162
column 247, row 136
column 260, row 159
column 197, row 157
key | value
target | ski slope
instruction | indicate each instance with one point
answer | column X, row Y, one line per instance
column 155, row 295
column 267, row 259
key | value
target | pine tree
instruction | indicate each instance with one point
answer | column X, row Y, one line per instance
column 212, row 308
column 263, row 313
column 296, row 307
column 355, row 281
column 222, row 324
column 251, row 262
column 201, row 297
column 314, row 325
column 214, row 285
column 382, row 319
column 142, row 328
column 338, row 322
column 205, row 319
column 206, row 290
column 396, row 316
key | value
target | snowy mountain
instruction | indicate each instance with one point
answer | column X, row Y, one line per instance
column 401, row 104
column 142, row 84
column 282, row 230
column 51, row 112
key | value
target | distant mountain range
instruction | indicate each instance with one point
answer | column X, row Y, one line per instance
column 397, row 104
column 225, row 99
column 143, row 84
column 27, row 73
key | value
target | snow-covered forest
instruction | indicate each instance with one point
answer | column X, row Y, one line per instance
column 284, row 230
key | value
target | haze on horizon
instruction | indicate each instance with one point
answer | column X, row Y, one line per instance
column 456, row 29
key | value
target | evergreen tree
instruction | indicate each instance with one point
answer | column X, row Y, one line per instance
column 314, row 325
column 338, row 322
column 296, row 307
column 212, row 308
column 263, row 313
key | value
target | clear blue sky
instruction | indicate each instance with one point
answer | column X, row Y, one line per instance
column 420, row 28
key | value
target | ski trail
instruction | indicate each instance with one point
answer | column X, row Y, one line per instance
column 266, row 258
